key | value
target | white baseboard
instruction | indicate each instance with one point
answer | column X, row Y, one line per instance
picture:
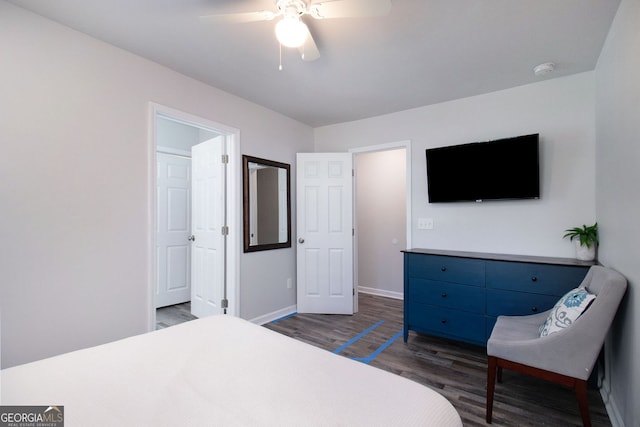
column 270, row 317
column 381, row 292
column 611, row 406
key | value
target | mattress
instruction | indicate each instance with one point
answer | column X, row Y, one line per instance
column 221, row 370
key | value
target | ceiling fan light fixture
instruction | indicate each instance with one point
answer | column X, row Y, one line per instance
column 291, row 31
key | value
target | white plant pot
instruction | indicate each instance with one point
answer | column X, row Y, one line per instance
column 584, row 253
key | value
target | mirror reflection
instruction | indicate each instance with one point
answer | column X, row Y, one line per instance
column 266, row 202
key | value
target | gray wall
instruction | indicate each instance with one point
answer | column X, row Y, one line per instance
column 74, row 176
column 561, row 110
column 618, row 202
column 381, row 221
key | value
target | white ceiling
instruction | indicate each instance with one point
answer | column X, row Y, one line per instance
column 424, row 52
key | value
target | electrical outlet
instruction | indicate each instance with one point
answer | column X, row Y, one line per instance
column 425, row 223
column 289, row 284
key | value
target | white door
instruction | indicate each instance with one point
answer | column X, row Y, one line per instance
column 324, row 233
column 174, row 227
column 208, row 207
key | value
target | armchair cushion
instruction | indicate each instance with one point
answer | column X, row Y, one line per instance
column 571, row 351
column 566, row 311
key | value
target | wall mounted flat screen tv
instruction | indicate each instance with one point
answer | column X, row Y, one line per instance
column 493, row 170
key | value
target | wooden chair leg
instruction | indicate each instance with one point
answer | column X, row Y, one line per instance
column 491, row 384
column 581, row 393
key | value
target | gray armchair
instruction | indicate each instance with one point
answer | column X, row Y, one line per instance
column 566, row 357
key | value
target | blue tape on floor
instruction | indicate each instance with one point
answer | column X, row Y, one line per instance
column 357, row 337
column 284, row 317
column 380, row 349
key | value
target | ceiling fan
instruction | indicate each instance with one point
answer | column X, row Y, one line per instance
column 291, row 31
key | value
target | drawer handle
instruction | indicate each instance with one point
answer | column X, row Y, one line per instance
column 443, row 268
column 443, row 295
column 443, row 321
column 534, row 279
column 534, row 309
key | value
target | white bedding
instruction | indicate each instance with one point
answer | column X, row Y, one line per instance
column 222, row 371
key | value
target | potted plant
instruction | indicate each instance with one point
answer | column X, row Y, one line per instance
column 586, row 240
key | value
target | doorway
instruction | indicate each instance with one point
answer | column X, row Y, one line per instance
column 172, row 135
column 382, row 200
column 174, row 143
column 322, row 202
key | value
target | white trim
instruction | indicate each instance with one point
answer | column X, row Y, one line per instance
column 152, row 218
column 232, row 139
column 612, row 408
column 173, row 151
column 604, row 380
column 192, row 120
column 274, row 315
column 381, row 292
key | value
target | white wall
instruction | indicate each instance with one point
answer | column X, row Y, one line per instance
column 618, row 202
column 561, row 110
column 381, row 222
column 74, row 177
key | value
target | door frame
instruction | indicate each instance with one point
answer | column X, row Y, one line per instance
column 406, row 144
column 234, row 207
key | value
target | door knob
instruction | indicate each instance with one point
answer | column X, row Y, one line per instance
column 300, row 240
column 191, row 238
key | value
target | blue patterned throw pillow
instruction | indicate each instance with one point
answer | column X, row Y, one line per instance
column 566, row 311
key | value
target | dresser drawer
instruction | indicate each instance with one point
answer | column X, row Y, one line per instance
column 533, row 278
column 447, row 295
column 446, row 269
column 517, row 303
column 449, row 323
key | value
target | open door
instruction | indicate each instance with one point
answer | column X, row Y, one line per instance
column 325, row 233
column 208, row 233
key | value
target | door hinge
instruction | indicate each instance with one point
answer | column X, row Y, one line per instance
column 225, row 158
column 224, row 303
column 225, row 230
column 353, row 172
column 353, row 231
column 353, row 291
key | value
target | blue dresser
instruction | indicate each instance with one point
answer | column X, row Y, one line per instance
column 459, row 295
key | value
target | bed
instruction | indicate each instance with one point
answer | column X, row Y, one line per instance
column 224, row 371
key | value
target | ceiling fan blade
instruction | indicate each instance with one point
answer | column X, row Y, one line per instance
column 309, row 50
column 240, row 18
column 350, row 9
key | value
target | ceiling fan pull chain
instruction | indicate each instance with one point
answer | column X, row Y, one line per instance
column 280, row 66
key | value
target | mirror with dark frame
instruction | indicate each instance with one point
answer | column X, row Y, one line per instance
column 266, row 204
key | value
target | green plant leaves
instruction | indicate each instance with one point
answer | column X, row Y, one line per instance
column 588, row 235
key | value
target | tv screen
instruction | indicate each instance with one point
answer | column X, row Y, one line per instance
column 502, row 169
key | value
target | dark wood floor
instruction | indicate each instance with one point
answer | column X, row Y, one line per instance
column 456, row 370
